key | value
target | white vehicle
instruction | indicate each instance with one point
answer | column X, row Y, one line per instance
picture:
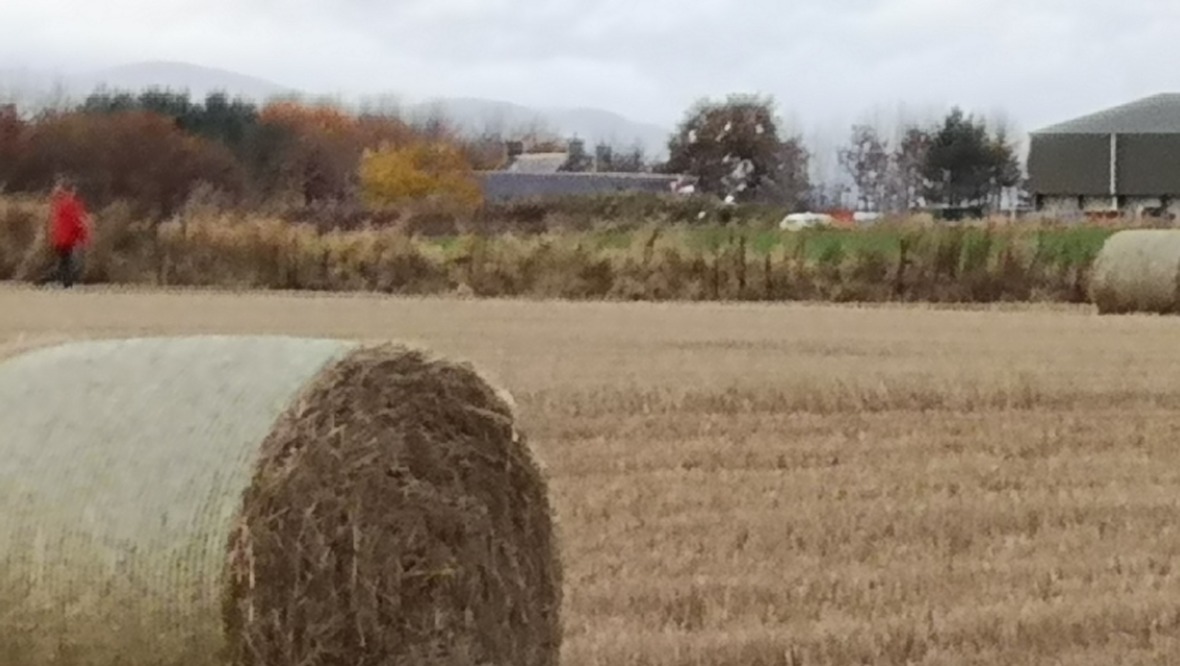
column 798, row 221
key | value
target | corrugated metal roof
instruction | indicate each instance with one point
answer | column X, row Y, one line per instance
column 1158, row 114
column 538, row 163
column 505, row 185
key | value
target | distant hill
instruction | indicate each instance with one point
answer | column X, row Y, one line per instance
column 592, row 125
column 17, row 78
column 26, row 86
column 471, row 114
column 35, row 86
column 198, row 81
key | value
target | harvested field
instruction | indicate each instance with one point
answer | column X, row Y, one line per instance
column 785, row 485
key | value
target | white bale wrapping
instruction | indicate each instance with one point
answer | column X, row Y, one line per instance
column 89, row 434
column 1138, row 271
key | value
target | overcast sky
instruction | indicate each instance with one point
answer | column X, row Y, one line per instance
column 827, row 62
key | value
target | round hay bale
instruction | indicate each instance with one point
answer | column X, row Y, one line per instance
column 267, row 501
column 1138, row 271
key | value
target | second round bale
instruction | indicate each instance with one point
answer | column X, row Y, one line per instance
column 1138, row 270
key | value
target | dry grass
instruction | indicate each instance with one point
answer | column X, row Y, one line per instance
column 804, row 485
column 639, row 258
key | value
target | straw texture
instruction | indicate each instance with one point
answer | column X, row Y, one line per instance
column 397, row 518
column 210, row 501
column 1138, row 271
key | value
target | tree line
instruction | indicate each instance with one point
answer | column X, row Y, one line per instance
column 735, row 148
column 156, row 148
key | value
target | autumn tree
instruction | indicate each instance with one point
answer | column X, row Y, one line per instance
column 733, row 147
column 185, row 114
column 153, row 146
column 231, row 122
column 317, row 160
column 135, row 155
column 906, row 185
column 790, row 184
column 866, row 160
column 375, row 130
column 425, row 172
column 11, row 131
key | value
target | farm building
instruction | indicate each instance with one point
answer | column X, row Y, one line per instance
column 508, row 185
column 557, row 174
column 1123, row 160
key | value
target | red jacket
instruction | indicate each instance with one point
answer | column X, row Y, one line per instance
column 69, row 222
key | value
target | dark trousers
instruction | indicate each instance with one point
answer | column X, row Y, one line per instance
column 65, row 266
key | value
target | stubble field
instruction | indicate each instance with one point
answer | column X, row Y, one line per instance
column 774, row 485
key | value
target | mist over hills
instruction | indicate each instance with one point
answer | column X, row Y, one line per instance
column 474, row 115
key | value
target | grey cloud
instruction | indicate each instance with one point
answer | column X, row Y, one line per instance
column 827, row 62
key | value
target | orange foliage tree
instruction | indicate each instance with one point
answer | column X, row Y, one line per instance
column 435, row 172
column 138, row 156
column 319, row 162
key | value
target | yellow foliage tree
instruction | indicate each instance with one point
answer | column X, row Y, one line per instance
column 421, row 172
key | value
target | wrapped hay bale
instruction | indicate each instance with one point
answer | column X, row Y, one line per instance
column 1138, row 271
column 267, row 501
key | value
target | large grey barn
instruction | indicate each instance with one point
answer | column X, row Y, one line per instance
column 1125, row 159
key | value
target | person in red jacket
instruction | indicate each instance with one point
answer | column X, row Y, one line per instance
column 69, row 229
